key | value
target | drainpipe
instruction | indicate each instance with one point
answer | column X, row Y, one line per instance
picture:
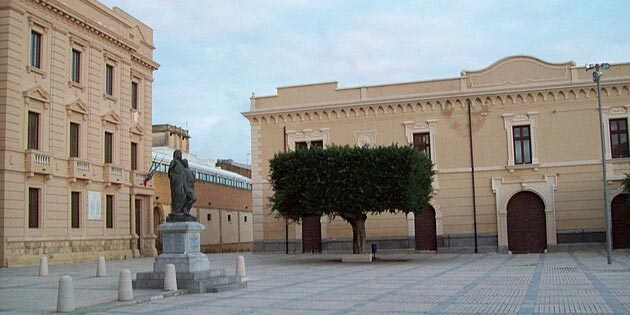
column 286, row 220
column 472, row 175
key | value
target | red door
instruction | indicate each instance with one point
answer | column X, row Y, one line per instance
column 424, row 224
column 527, row 230
column 620, row 222
column 311, row 235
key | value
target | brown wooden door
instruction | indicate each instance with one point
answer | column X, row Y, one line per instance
column 311, row 235
column 620, row 222
column 424, row 224
column 526, row 224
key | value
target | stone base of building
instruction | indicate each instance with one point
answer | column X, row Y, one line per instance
column 19, row 253
column 227, row 248
column 568, row 240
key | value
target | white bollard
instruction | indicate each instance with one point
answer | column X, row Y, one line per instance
column 241, row 275
column 170, row 278
column 65, row 295
column 101, row 270
column 43, row 266
column 125, row 291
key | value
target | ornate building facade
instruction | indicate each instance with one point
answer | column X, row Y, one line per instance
column 515, row 146
column 75, row 123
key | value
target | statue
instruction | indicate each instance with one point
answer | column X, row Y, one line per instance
column 181, row 188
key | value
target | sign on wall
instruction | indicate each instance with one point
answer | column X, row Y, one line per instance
column 94, row 205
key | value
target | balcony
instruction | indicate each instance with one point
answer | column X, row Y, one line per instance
column 78, row 169
column 137, row 178
column 112, row 174
column 38, row 163
column 617, row 168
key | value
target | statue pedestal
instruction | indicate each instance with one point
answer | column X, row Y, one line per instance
column 181, row 242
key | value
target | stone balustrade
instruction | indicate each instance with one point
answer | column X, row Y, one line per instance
column 112, row 174
column 37, row 162
column 79, row 169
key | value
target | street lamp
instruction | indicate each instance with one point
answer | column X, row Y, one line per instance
column 598, row 67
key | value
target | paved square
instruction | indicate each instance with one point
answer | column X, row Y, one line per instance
column 559, row 283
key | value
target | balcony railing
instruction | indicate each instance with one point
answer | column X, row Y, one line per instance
column 38, row 163
column 112, row 174
column 79, row 169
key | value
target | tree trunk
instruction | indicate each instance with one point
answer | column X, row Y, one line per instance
column 358, row 233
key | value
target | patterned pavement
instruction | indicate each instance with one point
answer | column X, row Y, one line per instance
column 558, row 283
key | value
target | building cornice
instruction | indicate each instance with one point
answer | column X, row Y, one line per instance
column 77, row 18
column 437, row 101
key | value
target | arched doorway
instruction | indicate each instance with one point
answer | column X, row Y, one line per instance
column 311, row 235
column 425, row 229
column 158, row 218
column 620, row 221
column 526, row 224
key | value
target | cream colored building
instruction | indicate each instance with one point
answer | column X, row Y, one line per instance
column 536, row 155
column 75, row 142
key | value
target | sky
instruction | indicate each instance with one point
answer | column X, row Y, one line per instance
column 214, row 54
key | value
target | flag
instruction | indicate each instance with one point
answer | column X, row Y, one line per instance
column 152, row 170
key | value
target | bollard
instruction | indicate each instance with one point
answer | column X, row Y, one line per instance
column 170, row 278
column 43, row 266
column 65, row 295
column 101, row 270
column 125, row 291
column 241, row 275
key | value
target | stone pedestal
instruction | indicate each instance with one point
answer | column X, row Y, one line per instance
column 181, row 242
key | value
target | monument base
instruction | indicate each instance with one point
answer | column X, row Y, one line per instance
column 181, row 242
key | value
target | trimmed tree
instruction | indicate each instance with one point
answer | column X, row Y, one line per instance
column 350, row 182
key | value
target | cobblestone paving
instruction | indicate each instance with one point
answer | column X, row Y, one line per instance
column 559, row 283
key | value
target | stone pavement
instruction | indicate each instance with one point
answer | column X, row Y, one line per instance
column 559, row 283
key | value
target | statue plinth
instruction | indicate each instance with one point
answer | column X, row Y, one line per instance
column 180, row 217
column 181, row 242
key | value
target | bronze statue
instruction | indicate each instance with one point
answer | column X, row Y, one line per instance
column 182, row 189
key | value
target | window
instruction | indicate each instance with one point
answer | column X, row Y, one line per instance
column 209, row 217
column 33, row 131
column 75, row 206
column 522, row 145
column 109, row 79
column 109, row 146
column 229, row 216
column 74, row 140
column 36, row 49
column 109, row 211
column 76, row 66
column 619, row 138
column 134, row 156
column 245, row 218
column 422, row 142
column 301, row 145
column 317, row 144
column 33, row 208
column 134, row 95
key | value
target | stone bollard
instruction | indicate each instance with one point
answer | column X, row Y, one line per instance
column 241, row 275
column 101, row 270
column 43, row 266
column 125, row 291
column 65, row 295
column 170, row 278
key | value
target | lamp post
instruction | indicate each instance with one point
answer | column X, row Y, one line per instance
column 598, row 67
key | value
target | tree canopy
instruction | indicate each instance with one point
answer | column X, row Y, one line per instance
column 350, row 182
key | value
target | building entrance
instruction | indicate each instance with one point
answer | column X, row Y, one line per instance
column 620, row 221
column 424, row 225
column 526, row 224
column 311, row 235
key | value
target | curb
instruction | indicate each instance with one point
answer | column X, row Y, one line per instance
column 116, row 304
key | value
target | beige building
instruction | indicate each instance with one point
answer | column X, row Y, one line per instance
column 224, row 197
column 534, row 132
column 75, row 113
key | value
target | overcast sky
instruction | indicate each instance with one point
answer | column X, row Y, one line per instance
column 214, row 54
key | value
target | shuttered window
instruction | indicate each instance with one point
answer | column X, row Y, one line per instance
column 75, row 206
column 74, row 140
column 33, row 131
column 33, row 208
